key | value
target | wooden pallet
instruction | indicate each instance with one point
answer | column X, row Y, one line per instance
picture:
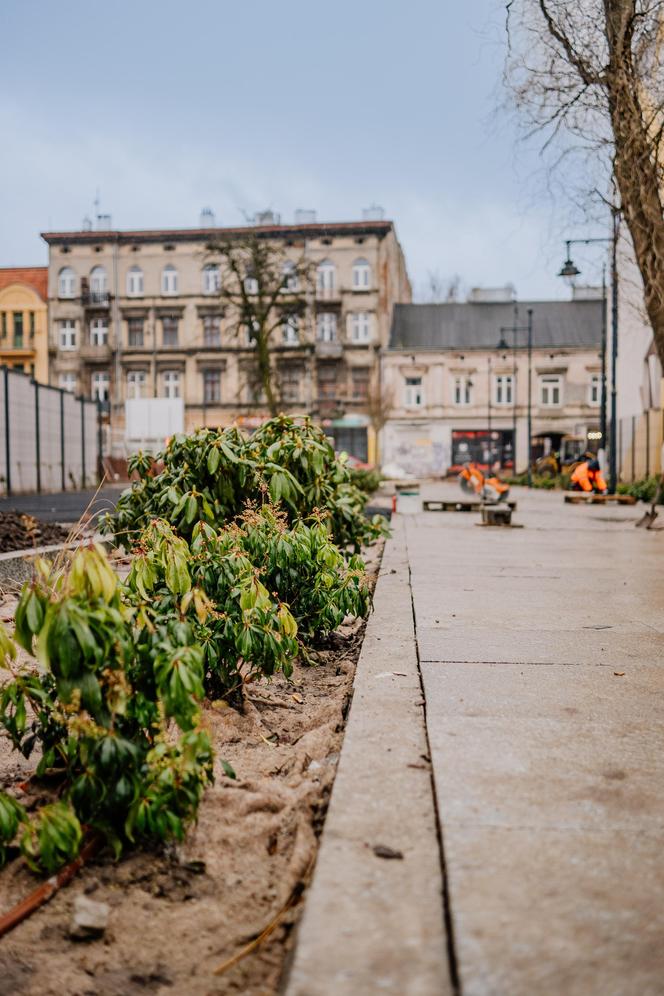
column 587, row 498
column 432, row 505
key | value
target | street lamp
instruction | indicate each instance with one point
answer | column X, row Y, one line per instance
column 515, row 330
column 569, row 272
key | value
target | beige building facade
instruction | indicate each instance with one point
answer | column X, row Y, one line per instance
column 23, row 320
column 459, row 387
column 137, row 314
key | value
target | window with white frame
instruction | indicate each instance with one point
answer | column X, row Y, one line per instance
column 136, row 383
column 413, row 393
column 66, row 282
column 135, row 332
column 326, row 326
column 250, row 285
column 291, row 282
column 211, row 279
column 169, row 331
column 326, row 278
column 595, row 389
column 98, row 283
column 169, row 280
column 463, row 387
column 67, row 382
column 290, row 330
column 212, row 330
column 101, row 385
column 361, row 274
column 503, row 389
column 99, row 332
column 251, row 333
column 171, row 381
column 360, row 326
column 211, row 386
column 135, row 282
column 67, row 334
column 551, row 390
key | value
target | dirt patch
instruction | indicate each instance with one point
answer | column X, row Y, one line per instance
column 177, row 915
column 19, row 531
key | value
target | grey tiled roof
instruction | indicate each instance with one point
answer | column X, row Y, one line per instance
column 474, row 325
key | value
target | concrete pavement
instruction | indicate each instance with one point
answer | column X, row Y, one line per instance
column 541, row 651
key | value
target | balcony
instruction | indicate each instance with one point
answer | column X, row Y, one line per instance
column 329, row 350
column 95, row 299
column 95, row 354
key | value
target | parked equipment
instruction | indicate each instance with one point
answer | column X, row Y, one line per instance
column 489, row 489
column 573, row 451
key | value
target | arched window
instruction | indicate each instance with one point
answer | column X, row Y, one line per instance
column 66, row 282
column 361, row 274
column 135, row 282
column 211, row 279
column 326, row 278
column 169, row 280
column 98, row 282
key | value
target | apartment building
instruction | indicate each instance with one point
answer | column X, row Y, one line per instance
column 23, row 320
column 457, row 377
column 138, row 314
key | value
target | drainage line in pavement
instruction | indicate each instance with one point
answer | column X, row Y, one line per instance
column 447, row 902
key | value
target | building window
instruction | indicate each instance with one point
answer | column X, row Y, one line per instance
column 360, row 381
column 136, row 383
column 67, row 382
column 211, row 386
column 250, row 335
column 135, row 282
column 98, row 284
column 595, row 389
column 98, row 332
column 32, row 324
column 169, row 331
column 169, row 280
column 18, row 330
column 326, row 326
column 551, row 390
column 211, row 279
column 101, row 385
column 290, row 278
column 66, row 282
column 68, row 334
column 4, row 325
column 413, row 394
column 289, row 383
column 212, row 330
column 172, row 384
column 135, row 332
column 250, row 285
column 359, row 326
column 327, row 382
column 462, row 390
column 503, row 389
column 361, row 274
column 290, row 330
column 325, row 278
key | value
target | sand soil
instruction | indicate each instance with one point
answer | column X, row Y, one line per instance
column 178, row 915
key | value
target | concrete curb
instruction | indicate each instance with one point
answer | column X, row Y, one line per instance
column 375, row 924
column 16, row 566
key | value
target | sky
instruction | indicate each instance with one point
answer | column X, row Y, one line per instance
column 166, row 107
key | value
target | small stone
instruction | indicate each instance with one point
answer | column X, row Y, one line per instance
column 90, row 919
column 381, row 851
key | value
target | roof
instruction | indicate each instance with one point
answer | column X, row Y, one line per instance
column 471, row 325
column 380, row 228
column 34, row 276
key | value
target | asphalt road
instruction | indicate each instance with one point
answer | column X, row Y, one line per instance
column 64, row 506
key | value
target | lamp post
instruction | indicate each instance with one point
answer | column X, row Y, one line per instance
column 515, row 330
column 570, row 272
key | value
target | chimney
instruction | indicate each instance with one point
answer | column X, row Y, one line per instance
column 267, row 218
column 305, row 216
column 206, row 219
column 492, row 295
column 373, row 213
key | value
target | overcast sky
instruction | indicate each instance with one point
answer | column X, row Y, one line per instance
column 168, row 106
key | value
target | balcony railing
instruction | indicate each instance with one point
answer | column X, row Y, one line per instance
column 90, row 351
column 329, row 350
column 95, row 299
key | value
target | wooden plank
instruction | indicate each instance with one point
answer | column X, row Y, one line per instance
column 433, row 505
column 587, row 498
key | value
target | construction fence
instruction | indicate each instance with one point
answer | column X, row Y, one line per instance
column 640, row 445
column 49, row 439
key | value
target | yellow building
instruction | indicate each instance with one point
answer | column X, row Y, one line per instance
column 23, row 320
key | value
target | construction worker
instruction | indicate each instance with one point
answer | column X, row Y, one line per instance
column 588, row 477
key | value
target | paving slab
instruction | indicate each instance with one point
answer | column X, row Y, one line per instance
column 542, row 656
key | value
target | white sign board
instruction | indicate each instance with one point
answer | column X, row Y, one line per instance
column 150, row 421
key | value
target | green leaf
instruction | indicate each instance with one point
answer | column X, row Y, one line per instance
column 228, row 770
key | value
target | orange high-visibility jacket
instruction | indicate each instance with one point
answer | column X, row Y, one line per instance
column 588, row 479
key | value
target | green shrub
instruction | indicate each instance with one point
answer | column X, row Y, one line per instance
column 643, row 490
column 366, row 480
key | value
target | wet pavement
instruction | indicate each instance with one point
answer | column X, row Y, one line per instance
column 65, row 506
column 542, row 657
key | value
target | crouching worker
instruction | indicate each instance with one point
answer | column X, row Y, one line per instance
column 588, row 477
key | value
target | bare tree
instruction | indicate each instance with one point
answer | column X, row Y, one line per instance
column 441, row 289
column 380, row 403
column 264, row 291
column 588, row 75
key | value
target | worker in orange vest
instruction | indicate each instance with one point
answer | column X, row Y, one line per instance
column 588, row 477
